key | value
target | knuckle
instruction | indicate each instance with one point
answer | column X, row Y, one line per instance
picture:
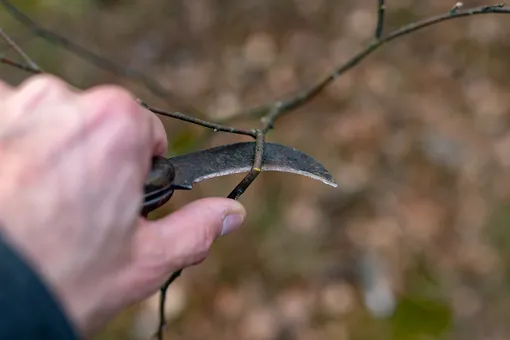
column 203, row 242
column 199, row 258
column 208, row 236
column 38, row 89
column 118, row 104
column 118, row 100
column 47, row 81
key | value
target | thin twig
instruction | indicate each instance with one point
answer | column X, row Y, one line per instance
column 19, row 50
column 162, row 300
column 306, row 95
column 20, row 66
column 215, row 127
column 99, row 61
column 20, row 39
column 268, row 120
column 235, row 194
column 255, row 169
column 381, row 8
column 267, row 124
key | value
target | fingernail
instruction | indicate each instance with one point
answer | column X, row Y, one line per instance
column 231, row 223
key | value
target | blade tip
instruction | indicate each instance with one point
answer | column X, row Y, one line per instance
column 330, row 181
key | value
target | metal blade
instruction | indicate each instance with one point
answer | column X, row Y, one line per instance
column 237, row 158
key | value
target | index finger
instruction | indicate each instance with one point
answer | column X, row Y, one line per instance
column 103, row 98
column 159, row 136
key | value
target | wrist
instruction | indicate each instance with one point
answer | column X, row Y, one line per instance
column 72, row 302
column 28, row 301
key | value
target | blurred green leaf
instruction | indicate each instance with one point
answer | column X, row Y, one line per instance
column 418, row 317
column 498, row 233
column 497, row 228
column 182, row 142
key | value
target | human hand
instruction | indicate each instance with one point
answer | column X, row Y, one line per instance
column 72, row 169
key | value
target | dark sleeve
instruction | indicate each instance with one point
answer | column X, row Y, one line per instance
column 27, row 308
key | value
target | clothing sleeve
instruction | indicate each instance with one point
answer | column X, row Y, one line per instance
column 28, row 310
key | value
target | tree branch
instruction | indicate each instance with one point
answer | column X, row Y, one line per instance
column 153, row 86
column 381, row 8
column 162, row 300
column 210, row 125
column 23, row 67
column 255, row 169
column 20, row 51
column 306, row 95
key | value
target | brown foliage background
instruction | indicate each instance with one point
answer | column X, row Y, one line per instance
column 414, row 242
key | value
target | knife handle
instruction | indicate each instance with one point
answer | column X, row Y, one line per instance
column 158, row 187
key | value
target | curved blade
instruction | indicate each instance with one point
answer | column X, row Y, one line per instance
column 237, row 158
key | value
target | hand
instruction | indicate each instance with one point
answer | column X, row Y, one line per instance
column 72, row 168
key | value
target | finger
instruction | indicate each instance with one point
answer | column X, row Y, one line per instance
column 41, row 87
column 26, row 100
column 159, row 136
column 5, row 88
column 113, row 100
column 5, row 93
column 181, row 239
column 36, row 89
column 192, row 229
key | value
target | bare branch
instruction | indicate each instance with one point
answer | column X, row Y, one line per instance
column 268, row 120
column 310, row 93
column 99, row 61
column 255, row 169
column 162, row 300
column 215, row 127
column 381, row 8
column 20, row 51
column 20, row 66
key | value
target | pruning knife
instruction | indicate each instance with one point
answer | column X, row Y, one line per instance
column 181, row 172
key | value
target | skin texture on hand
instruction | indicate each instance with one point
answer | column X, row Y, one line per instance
column 72, row 168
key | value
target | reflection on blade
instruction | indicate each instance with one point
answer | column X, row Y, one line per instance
column 237, row 158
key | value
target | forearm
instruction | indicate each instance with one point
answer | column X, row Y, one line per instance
column 28, row 310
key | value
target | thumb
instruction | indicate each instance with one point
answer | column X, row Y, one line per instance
column 187, row 234
column 180, row 239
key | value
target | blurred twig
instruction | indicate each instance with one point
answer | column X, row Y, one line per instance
column 99, row 61
column 18, row 49
column 297, row 100
column 162, row 300
column 381, row 8
column 17, row 65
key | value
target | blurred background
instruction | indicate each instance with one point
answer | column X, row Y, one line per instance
column 414, row 244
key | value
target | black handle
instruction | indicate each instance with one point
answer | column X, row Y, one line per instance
column 158, row 185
